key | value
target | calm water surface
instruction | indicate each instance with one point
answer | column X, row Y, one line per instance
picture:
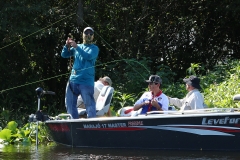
column 60, row 152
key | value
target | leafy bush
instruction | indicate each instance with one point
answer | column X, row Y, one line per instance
column 25, row 135
column 221, row 84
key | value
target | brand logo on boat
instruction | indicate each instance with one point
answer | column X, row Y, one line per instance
column 225, row 120
column 135, row 123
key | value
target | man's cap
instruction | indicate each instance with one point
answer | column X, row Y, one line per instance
column 154, row 79
column 107, row 79
column 193, row 81
column 88, row 28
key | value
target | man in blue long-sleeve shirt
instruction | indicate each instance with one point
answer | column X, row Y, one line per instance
column 81, row 81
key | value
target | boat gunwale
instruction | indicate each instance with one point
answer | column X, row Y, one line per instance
column 160, row 115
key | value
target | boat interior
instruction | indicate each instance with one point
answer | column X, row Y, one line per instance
column 105, row 97
column 103, row 102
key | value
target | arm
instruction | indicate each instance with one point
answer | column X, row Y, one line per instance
column 138, row 106
column 66, row 51
column 156, row 104
column 162, row 103
column 87, row 52
column 141, row 102
column 176, row 102
column 165, row 103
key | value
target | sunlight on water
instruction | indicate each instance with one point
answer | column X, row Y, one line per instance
column 59, row 152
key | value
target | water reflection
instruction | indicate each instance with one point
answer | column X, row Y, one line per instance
column 59, row 152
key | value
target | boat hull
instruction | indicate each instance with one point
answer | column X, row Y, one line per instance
column 179, row 132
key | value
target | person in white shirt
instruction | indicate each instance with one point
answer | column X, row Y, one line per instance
column 98, row 86
column 154, row 99
column 194, row 99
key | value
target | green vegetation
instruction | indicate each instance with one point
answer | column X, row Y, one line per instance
column 25, row 135
column 219, row 86
column 173, row 39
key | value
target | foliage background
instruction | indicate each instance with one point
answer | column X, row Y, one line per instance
column 136, row 38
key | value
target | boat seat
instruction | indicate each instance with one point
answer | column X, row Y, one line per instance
column 236, row 97
column 103, row 102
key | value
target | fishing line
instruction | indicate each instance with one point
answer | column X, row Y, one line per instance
column 120, row 55
column 32, row 83
column 22, row 38
column 66, row 74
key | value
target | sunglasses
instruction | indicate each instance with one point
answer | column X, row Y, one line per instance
column 88, row 32
column 151, row 83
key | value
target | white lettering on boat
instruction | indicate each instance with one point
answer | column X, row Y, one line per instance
column 116, row 125
column 225, row 120
column 135, row 123
column 105, row 125
column 91, row 126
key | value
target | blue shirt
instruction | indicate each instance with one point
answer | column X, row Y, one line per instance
column 83, row 70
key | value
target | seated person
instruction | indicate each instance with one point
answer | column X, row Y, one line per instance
column 98, row 86
column 154, row 100
column 194, row 99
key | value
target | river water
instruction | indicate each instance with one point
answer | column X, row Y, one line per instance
column 59, row 152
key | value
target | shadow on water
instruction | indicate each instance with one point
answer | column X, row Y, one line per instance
column 59, row 152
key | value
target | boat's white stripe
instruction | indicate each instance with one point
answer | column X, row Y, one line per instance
column 189, row 130
column 206, row 126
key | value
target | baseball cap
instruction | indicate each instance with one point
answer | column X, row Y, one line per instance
column 88, row 28
column 155, row 79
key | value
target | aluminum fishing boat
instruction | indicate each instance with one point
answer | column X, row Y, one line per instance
column 203, row 129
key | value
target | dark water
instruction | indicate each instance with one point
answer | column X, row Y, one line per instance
column 59, row 152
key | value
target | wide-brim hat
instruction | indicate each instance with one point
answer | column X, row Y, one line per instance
column 154, row 79
column 193, row 81
column 107, row 79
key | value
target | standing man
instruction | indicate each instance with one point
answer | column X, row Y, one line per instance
column 154, row 100
column 98, row 86
column 81, row 81
column 194, row 99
